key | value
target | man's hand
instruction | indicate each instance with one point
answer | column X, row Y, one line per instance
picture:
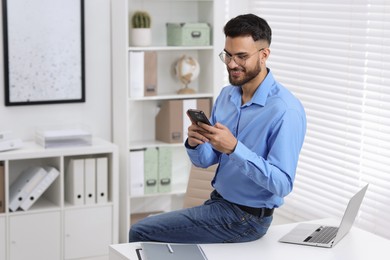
column 219, row 136
column 195, row 135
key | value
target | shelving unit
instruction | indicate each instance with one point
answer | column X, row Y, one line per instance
column 134, row 118
column 53, row 228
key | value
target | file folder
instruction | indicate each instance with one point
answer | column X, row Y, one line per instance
column 24, row 185
column 150, row 73
column 90, row 180
column 136, row 180
column 172, row 121
column 136, row 74
column 164, row 251
column 151, row 170
column 2, row 188
column 43, row 185
column 101, row 179
column 169, row 122
column 164, row 169
column 74, row 182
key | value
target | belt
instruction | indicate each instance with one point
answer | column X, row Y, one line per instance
column 258, row 212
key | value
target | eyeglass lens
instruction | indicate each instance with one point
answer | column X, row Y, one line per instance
column 238, row 59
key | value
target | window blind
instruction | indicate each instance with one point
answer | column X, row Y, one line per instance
column 334, row 56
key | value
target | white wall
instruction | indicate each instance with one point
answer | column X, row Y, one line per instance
column 96, row 111
column 236, row 8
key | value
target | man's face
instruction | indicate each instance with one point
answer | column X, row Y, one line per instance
column 243, row 59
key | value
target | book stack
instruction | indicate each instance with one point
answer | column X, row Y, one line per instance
column 8, row 142
column 30, row 185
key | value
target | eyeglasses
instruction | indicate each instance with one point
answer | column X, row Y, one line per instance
column 239, row 59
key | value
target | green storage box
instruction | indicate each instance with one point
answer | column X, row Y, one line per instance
column 188, row 34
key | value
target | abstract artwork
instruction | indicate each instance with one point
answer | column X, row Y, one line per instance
column 43, row 51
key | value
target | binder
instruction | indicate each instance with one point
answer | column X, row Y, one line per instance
column 136, row 180
column 150, row 170
column 2, row 188
column 150, row 73
column 164, row 251
column 172, row 121
column 101, row 180
column 164, row 169
column 74, row 182
column 43, row 185
column 136, row 74
column 169, row 122
column 90, row 180
column 24, row 185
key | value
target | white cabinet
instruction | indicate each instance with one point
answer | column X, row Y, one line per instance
column 35, row 236
column 83, row 227
column 53, row 228
column 3, row 240
column 134, row 118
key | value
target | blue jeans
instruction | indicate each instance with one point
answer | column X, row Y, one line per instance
column 216, row 221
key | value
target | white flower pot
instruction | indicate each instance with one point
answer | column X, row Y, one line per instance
column 141, row 37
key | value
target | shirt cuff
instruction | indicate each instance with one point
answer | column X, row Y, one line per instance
column 188, row 146
column 240, row 153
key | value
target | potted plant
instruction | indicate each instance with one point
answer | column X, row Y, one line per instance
column 141, row 33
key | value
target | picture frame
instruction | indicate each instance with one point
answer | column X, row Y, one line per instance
column 44, row 59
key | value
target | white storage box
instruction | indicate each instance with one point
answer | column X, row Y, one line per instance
column 63, row 136
column 188, row 34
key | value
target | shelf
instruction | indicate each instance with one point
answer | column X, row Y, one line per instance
column 32, row 150
column 64, row 223
column 173, row 96
column 159, row 194
column 68, row 206
column 171, row 48
column 141, row 144
column 41, row 205
column 134, row 118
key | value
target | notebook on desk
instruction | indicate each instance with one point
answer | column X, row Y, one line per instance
column 168, row 251
column 326, row 236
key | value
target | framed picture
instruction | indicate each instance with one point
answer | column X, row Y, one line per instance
column 43, row 51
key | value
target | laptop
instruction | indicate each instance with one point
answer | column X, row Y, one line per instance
column 326, row 236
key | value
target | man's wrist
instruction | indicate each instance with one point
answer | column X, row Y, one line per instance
column 232, row 150
column 187, row 145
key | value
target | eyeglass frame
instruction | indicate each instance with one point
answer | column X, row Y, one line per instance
column 231, row 57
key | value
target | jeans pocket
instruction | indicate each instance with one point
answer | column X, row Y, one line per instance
column 250, row 228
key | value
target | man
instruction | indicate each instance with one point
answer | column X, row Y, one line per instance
column 257, row 134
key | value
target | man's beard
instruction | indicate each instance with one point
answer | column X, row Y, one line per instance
column 249, row 75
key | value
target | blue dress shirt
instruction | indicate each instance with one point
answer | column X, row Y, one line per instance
column 270, row 130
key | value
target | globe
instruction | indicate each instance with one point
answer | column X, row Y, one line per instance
column 186, row 70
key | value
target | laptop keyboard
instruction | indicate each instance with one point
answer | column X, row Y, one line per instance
column 322, row 235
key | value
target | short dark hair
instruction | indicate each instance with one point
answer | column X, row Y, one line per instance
column 249, row 25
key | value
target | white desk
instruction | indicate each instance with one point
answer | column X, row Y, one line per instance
column 356, row 245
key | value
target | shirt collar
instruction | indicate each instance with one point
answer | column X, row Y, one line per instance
column 261, row 93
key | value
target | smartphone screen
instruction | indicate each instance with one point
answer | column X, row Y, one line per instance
column 197, row 115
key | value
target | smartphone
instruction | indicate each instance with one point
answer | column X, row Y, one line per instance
column 197, row 115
